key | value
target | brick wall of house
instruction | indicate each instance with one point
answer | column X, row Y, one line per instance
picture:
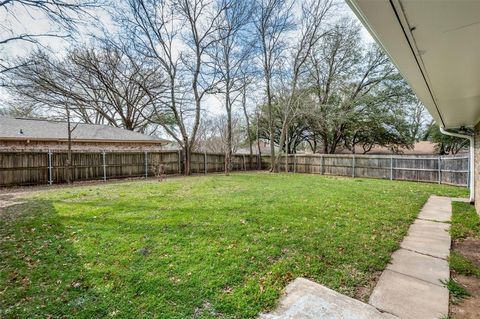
column 477, row 167
column 62, row 146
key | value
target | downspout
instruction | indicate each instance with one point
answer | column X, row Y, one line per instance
column 471, row 182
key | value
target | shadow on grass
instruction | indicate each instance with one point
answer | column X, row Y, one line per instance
column 41, row 274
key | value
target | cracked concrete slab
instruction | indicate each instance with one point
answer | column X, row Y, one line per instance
column 429, row 238
column 409, row 298
column 410, row 286
column 429, row 229
column 438, row 211
column 435, row 247
column 419, row 266
column 305, row 299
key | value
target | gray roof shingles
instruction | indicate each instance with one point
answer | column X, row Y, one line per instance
column 34, row 129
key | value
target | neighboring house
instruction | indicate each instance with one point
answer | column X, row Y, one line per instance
column 435, row 45
column 17, row 134
column 419, row 148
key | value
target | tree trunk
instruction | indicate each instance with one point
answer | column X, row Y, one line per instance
column 228, row 155
column 68, row 163
column 273, row 167
column 259, row 164
column 247, row 119
column 286, row 151
column 187, row 154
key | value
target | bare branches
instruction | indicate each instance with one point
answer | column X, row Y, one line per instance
column 272, row 19
column 107, row 85
column 176, row 35
column 64, row 16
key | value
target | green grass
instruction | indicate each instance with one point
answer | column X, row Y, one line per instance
column 198, row 247
column 456, row 290
column 462, row 265
column 465, row 221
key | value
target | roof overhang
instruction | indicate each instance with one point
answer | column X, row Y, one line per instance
column 436, row 47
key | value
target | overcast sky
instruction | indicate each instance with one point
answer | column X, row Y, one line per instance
column 36, row 24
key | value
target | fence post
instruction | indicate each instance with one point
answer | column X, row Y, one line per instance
column 321, row 164
column 179, row 162
column 50, row 176
column 353, row 166
column 104, row 166
column 439, row 169
column 205, row 162
column 294, row 163
column 391, row 167
column 146, row 164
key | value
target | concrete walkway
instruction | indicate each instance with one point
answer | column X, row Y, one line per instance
column 305, row 299
column 409, row 288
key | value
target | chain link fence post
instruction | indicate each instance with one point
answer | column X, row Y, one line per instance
column 391, row 167
column 353, row 166
column 104, row 166
column 205, row 163
column 146, row 164
column 50, row 175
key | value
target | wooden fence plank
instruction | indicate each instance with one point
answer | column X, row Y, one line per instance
column 32, row 168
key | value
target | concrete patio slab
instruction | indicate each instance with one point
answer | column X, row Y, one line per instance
column 429, row 229
column 435, row 247
column 305, row 299
column 435, row 213
column 419, row 266
column 409, row 298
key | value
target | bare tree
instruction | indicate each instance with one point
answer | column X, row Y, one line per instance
column 272, row 19
column 214, row 132
column 248, row 128
column 312, row 30
column 105, row 85
column 176, row 35
column 417, row 116
column 64, row 15
column 120, row 86
column 230, row 54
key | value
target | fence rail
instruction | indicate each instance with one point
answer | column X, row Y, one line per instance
column 452, row 170
column 34, row 168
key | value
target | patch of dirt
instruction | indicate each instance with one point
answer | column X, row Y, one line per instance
column 469, row 248
column 7, row 200
column 363, row 293
column 468, row 308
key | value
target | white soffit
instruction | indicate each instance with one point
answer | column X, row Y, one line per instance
column 435, row 44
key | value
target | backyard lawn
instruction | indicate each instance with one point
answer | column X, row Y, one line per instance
column 198, row 247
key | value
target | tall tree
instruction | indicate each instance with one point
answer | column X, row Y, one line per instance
column 231, row 53
column 176, row 35
column 311, row 31
column 272, row 20
column 347, row 79
column 103, row 85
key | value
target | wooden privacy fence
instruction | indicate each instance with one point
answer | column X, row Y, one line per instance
column 34, row 168
column 452, row 170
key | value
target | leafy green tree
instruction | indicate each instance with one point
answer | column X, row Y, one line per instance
column 446, row 144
